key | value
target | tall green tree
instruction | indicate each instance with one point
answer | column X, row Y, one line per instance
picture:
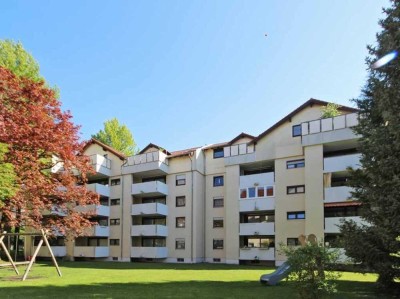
column 7, row 176
column 377, row 182
column 118, row 136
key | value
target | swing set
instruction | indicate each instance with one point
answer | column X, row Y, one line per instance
column 43, row 239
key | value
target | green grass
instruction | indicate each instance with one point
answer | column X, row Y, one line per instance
column 148, row 280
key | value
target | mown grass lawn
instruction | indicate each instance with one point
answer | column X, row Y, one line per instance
column 148, row 280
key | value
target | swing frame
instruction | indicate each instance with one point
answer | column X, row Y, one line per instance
column 43, row 239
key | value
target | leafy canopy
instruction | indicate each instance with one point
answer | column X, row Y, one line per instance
column 330, row 110
column 118, row 136
column 7, row 176
column 377, row 184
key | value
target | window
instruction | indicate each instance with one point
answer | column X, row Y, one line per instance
column 296, row 130
column 114, row 242
column 218, row 153
column 260, row 192
column 179, row 243
column 218, row 181
column 216, row 260
column 218, row 202
column 218, row 244
column 151, row 221
column 115, row 182
column 270, row 191
column 293, row 242
column 342, row 211
column 252, row 192
column 180, row 201
column 218, row 222
column 296, row 215
column 181, row 180
column 180, row 222
column 115, row 221
column 259, row 242
column 153, row 242
column 295, row 164
column 295, row 189
column 243, row 193
column 115, row 202
column 180, row 259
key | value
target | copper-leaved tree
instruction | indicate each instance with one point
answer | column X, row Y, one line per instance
column 40, row 135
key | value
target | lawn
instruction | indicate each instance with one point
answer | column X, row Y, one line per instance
column 148, row 280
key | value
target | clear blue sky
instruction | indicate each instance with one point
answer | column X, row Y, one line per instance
column 190, row 73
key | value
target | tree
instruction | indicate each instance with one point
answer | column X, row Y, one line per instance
column 118, row 136
column 36, row 131
column 377, row 183
column 311, row 269
column 7, row 176
column 330, row 110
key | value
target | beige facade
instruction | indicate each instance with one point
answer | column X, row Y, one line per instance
column 232, row 202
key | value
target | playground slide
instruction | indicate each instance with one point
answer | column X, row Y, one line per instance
column 276, row 276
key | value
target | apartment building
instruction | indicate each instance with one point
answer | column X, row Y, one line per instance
column 232, row 202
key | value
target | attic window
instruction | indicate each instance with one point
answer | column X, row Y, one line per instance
column 296, row 130
column 218, row 153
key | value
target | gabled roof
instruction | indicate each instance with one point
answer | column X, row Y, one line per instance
column 105, row 147
column 222, row 144
column 150, row 145
column 184, row 152
column 311, row 102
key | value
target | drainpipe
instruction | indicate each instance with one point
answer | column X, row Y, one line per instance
column 204, row 207
column 191, row 218
column 122, row 210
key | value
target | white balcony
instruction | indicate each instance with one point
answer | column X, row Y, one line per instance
column 91, row 251
column 332, row 223
column 330, row 129
column 101, row 165
column 103, row 190
column 255, row 229
column 149, row 189
column 58, row 251
column 341, row 163
column 239, row 154
column 149, row 252
column 262, row 254
column 153, row 164
column 150, row 209
column 149, row 230
column 257, row 204
column 98, row 231
column 261, row 179
column 98, row 210
column 337, row 194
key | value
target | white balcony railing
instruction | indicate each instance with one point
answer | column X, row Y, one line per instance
column 257, row 204
column 147, row 189
column 103, row 190
column 337, row 194
column 341, row 163
column 150, row 209
column 58, row 251
column 98, row 231
column 329, row 124
column 149, row 252
column 149, row 230
column 332, row 223
column 91, row 251
column 238, row 149
column 154, row 162
column 261, row 179
column 98, row 210
column 255, row 229
column 262, row 254
column 101, row 164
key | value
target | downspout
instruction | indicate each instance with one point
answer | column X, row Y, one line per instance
column 192, row 214
column 204, row 207
column 122, row 210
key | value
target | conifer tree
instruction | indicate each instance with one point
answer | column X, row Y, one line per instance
column 377, row 182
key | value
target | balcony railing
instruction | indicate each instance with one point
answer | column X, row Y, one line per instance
column 149, row 230
column 341, row 163
column 103, row 190
column 91, row 251
column 148, row 189
column 262, row 254
column 337, row 194
column 255, row 229
column 57, row 251
column 150, row 209
column 149, row 252
column 329, row 124
column 257, row 204
column 238, row 149
column 154, row 163
column 98, row 210
column 101, row 164
column 332, row 223
column 98, row 231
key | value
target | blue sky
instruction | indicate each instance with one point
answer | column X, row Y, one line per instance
column 190, row 73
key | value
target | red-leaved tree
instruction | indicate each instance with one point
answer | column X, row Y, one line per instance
column 40, row 135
